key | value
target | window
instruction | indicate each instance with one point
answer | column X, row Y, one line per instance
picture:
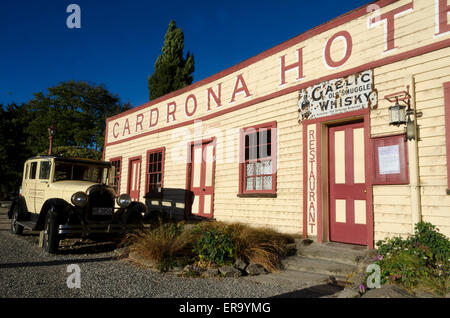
column 78, row 171
column 155, row 170
column 25, row 176
column 44, row 171
column 115, row 178
column 33, row 170
column 391, row 160
column 258, row 159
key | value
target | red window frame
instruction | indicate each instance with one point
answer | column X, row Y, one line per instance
column 117, row 175
column 447, row 129
column 394, row 178
column 150, row 152
column 244, row 158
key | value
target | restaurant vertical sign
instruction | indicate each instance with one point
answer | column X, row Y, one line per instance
column 311, row 170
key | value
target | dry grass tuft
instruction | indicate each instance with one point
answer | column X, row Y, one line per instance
column 262, row 246
column 160, row 244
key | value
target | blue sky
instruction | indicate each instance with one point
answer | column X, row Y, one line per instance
column 119, row 41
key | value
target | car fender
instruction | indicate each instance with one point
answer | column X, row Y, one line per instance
column 134, row 211
column 59, row 206
column 20, row 201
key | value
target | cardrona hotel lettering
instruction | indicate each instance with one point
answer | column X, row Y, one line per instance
column 165, row 113
column 190, row 108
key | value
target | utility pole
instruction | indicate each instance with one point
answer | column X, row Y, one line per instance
column 51, row 133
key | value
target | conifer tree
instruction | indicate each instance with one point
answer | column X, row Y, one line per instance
column 172, row 70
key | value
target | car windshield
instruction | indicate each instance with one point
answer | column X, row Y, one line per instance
column 80, row 172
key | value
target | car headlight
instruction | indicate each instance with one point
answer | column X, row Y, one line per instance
column 124, row 200
column 79, row 199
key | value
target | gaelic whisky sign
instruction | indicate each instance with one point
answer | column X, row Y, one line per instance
column 338, row 96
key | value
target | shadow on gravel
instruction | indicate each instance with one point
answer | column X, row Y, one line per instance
column 312, row 292
column 57, row 262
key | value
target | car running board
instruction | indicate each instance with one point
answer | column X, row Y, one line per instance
column 30, row 225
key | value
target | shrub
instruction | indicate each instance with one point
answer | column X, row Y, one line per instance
column 426, row 242
column 421, row 259
column 262, row 246
column 428, row 235
column 403, row 267
column 215, row 245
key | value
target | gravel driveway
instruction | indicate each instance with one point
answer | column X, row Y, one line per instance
column 27, row 271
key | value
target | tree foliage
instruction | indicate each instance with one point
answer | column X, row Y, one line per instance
column 78, row 111
column 13, row 150
column 172, row 70
column 75, row 152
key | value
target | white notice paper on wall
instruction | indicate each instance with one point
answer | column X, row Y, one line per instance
column 389, row 159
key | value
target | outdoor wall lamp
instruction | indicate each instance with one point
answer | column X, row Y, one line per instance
column 401, row 114
column 410, row 128
column 397, row 114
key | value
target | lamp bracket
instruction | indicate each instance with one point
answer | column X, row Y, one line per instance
column 400, row 96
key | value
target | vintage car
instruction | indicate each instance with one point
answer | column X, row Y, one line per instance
column 66, row 197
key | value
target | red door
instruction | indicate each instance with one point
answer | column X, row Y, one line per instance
column 348, row 192
column 202, row 178
column 134, row 178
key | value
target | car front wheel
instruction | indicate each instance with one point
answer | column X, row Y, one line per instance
column 16, row 228
column 51, row 239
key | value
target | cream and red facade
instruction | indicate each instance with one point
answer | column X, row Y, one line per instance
column 323, row 176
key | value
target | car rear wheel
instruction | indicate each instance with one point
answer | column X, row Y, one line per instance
column 16, row 228
column 51, row 239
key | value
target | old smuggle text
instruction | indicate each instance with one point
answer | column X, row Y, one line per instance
column 226, row 308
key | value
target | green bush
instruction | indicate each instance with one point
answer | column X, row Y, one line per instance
column 262, row 246
column 421, row 259
column 426, row 242
column 403, row 267
column 215, row 245
column 428, row 235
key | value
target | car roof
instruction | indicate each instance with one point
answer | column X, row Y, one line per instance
column 72, row 160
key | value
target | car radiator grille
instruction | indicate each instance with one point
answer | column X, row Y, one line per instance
column 101, row 204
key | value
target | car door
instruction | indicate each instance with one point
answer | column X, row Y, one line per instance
column 30, row 184
column 25, row 188
column 41, row 184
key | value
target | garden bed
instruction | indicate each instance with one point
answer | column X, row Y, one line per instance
column 209, row 249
